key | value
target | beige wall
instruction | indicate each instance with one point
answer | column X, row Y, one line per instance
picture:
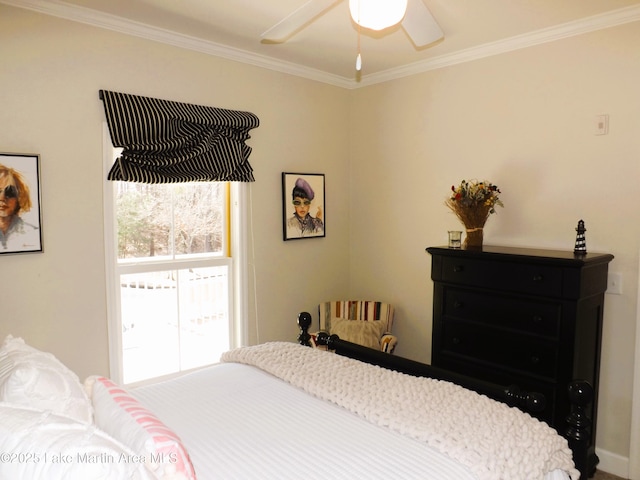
column 50, row 73
column 525, row 121
column 390, row 152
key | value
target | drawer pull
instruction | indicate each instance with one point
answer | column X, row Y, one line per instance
column 457, row 304
column 537, row 319
column 456, row 341
column 538, row 278
column 535, row 359
column 458, row 268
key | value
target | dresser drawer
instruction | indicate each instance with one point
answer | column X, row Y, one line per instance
column 513, row 313
column 506, row 276
column 513, row 352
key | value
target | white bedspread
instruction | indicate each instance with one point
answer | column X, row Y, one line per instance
column 239, row 422
column 491, row 439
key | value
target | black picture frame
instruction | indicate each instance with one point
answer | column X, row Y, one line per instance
column 298, row 187
column 21, row 224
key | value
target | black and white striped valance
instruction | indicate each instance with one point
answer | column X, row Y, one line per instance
column 170, row 142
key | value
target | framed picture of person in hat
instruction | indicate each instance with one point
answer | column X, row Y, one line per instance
column 303, row 205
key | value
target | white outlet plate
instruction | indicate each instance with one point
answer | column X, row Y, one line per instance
column 614, row 283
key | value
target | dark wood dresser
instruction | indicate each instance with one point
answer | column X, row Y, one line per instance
column 526, row 316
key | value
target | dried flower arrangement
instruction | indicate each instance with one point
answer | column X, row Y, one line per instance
column 473, row 202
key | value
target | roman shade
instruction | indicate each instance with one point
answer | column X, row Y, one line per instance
column 169, row 142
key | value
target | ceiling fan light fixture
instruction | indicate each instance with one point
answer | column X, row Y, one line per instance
column 377, row 14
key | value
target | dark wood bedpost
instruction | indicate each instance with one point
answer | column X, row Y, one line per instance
column 304, row 322
column 578, row 432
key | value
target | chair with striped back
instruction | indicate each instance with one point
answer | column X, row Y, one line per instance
column 363, row 322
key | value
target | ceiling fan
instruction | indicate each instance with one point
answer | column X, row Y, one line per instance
column 416, row 21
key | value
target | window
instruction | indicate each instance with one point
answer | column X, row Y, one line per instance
column 172, row 281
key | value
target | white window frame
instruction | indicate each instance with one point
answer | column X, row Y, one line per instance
column 234, row 257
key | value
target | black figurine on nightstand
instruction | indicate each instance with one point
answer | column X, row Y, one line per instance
column 581, row 242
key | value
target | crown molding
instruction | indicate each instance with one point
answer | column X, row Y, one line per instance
column 94, row 18
column 129, row 27
column 551, row 34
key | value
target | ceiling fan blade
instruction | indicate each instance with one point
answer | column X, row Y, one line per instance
column 289, row 25
column 420, row 25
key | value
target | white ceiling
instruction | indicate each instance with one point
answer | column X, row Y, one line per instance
column 326, row 48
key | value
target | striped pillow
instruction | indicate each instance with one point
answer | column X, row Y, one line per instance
column 124, row 418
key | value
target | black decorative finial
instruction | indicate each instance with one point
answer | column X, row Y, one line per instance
column 304, row 322
column 581, row 242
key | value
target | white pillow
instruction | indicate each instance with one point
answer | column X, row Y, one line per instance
column 37, row 444
column 123, row 417
column 362, row 332
column 32, row 378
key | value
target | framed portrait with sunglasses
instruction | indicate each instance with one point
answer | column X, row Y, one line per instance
column 303, row 205
column 20, row 217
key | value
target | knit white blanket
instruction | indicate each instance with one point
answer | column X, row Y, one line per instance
column 494, row 441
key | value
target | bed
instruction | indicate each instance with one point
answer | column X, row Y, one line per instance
column 277, row 410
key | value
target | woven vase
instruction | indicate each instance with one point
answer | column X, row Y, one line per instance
column 474, row 237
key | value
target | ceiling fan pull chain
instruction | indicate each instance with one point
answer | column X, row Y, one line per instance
column 358, row 57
